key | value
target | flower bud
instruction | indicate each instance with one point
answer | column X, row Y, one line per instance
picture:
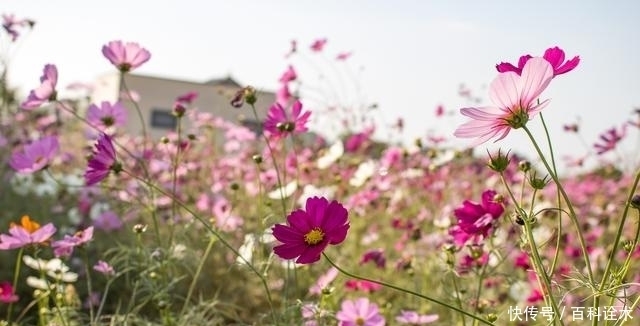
column 139, row 228
column 257, row 158
column 524, row 166
column 538, row 183
column 179, row 110
column 250, row 95
column 635, row 202
column 500, row 162
column 418, row 142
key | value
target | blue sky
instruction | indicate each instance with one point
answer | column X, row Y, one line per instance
column 414, row 53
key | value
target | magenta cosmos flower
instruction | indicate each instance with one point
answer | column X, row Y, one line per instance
column 515, row 99
column 107, row 115
column 45, row 92
column 7, row 293
column 555, row 56
column 360, row 312
column 35, row 156
column 27, row 233
column 309, row 231
column 102, row 162
column 280, row 124
column 125, row 56
column 475, row 221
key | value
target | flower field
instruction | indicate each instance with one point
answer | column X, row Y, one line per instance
column 219, row 224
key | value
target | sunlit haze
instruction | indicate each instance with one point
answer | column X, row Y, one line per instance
column 408, row 56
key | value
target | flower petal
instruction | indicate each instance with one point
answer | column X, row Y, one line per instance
column 503, row 90
column 536, row 76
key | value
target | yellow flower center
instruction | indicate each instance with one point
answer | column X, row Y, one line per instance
column 518, row 118
column 359, row 321
column 28, row 224
column 314, row 236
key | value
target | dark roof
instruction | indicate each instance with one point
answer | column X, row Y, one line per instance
column 228, row 81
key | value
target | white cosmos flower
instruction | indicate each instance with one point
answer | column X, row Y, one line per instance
column 365, row 170
column 22, row 183
column 519, row 291
column 443, row 158
column 333, row 154
column 246, row 250
column 310, row 191
column 55, row 268
column 39, row 283
column 412, row 173
column 284, row 192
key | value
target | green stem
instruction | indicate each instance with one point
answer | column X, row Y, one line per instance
column 123, row 87
column 607, row 269
column 537, row 261
column 215, row 233
column 16, row 273
column 556, row 255
column 103, row 300
column 174, row 177
column 397, row 288
column 197, row 275
column 542, row 273
column 455, row 288
column 273, row 159
column 89, row 287
column 572, row 215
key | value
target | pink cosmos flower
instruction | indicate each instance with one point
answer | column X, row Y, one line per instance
column 127, row 56
column 610, row 139
column 555, row 56
column 283, row 95
column 289, row 75
column 108, row 221
column 280, row 124
column 475, row 221
column 27, row 233
column 318, row 45
column 102, row 162
column 35, row 156
column 104, row 268
column 10, row 24
column 7, row 293
column 343, row 56
column 413, row 318
column 360, row 312
column 65, row 246
column 324, row 281
column 45, row 92
column 131, row 95
column 107, row 115
column 515, row 99
column 309, row 231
